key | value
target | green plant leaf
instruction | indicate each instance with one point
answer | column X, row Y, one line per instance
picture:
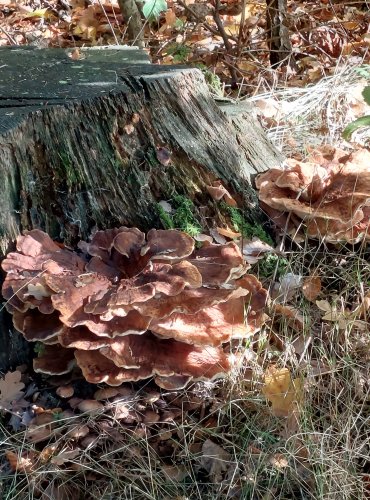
column 364, row 121
column 152, row 8
column 366, row 94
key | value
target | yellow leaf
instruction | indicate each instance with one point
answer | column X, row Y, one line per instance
column 282, row 391
column 43, row 13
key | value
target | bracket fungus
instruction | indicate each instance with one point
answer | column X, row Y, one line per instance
column 329, row 194
column 127, row 306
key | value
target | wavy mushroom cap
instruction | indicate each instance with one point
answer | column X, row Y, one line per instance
column 331, row 198
column 132, row 306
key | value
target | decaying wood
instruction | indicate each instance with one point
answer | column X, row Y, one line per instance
column 80, row 139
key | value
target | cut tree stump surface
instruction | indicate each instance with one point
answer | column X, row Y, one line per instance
column 81, row 143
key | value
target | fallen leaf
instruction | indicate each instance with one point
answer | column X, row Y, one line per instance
column 58, row 490
column 175, row 472
column 215, row 460
column 254, row 250
column 279, row 461
column 65, row 456
column 288, row 286
column 24, row 462
column 228, row 233
column 42, row 13
column 221, row 240
column 311, row 287
column 10, row 389
column 282, row 391
column 292, row 316
column 76, row 54
column 324, row 305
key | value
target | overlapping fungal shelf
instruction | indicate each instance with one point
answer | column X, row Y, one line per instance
column 329, row 195
column 128, row 306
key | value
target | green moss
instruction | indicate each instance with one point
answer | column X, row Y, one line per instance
column 245, row 228
column 68, row 172
column 179, row 52
column 165, row 217
column 272, row 266
column 183, row 217
column 39, row 348
column 213, row 81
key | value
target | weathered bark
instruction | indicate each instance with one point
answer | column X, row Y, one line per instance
column 71, row 159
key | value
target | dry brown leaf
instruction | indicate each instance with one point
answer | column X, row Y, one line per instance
column 61, row 491
column 170, row 21
column 311, row 287
column 287, row 288
column 254, row 250
column 76, row 54
column 282, row 391
column 228, row 233
column 37, row 434
column 279, row 461
column 215, row 460
column 10, row 389
column 65, row 456
column 174, row 472
column 291, row 315
column 24, row 463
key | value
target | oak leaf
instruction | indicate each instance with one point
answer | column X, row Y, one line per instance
column 10, row 389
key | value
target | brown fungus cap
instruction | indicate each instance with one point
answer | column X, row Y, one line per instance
column 97, row 369
column 71, row 293
column 37, row 327
column 36, row 251
column 168, row 244
column 211, row 326
column 332, row 198
column 174, row 382
column 166, row 357
column 218, row 264
column 133, row 307
column 54, row 360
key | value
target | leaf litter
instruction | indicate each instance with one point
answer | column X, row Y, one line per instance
column 310, row 363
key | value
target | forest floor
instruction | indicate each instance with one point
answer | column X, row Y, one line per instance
column 293, row 419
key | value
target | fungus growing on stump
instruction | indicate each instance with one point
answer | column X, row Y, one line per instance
column 126, row 306
column 329, row 194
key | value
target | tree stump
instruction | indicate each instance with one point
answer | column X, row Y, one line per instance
column 96, row 138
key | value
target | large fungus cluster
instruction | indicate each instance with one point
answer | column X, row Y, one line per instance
column 329, row 193
column 127, row 306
